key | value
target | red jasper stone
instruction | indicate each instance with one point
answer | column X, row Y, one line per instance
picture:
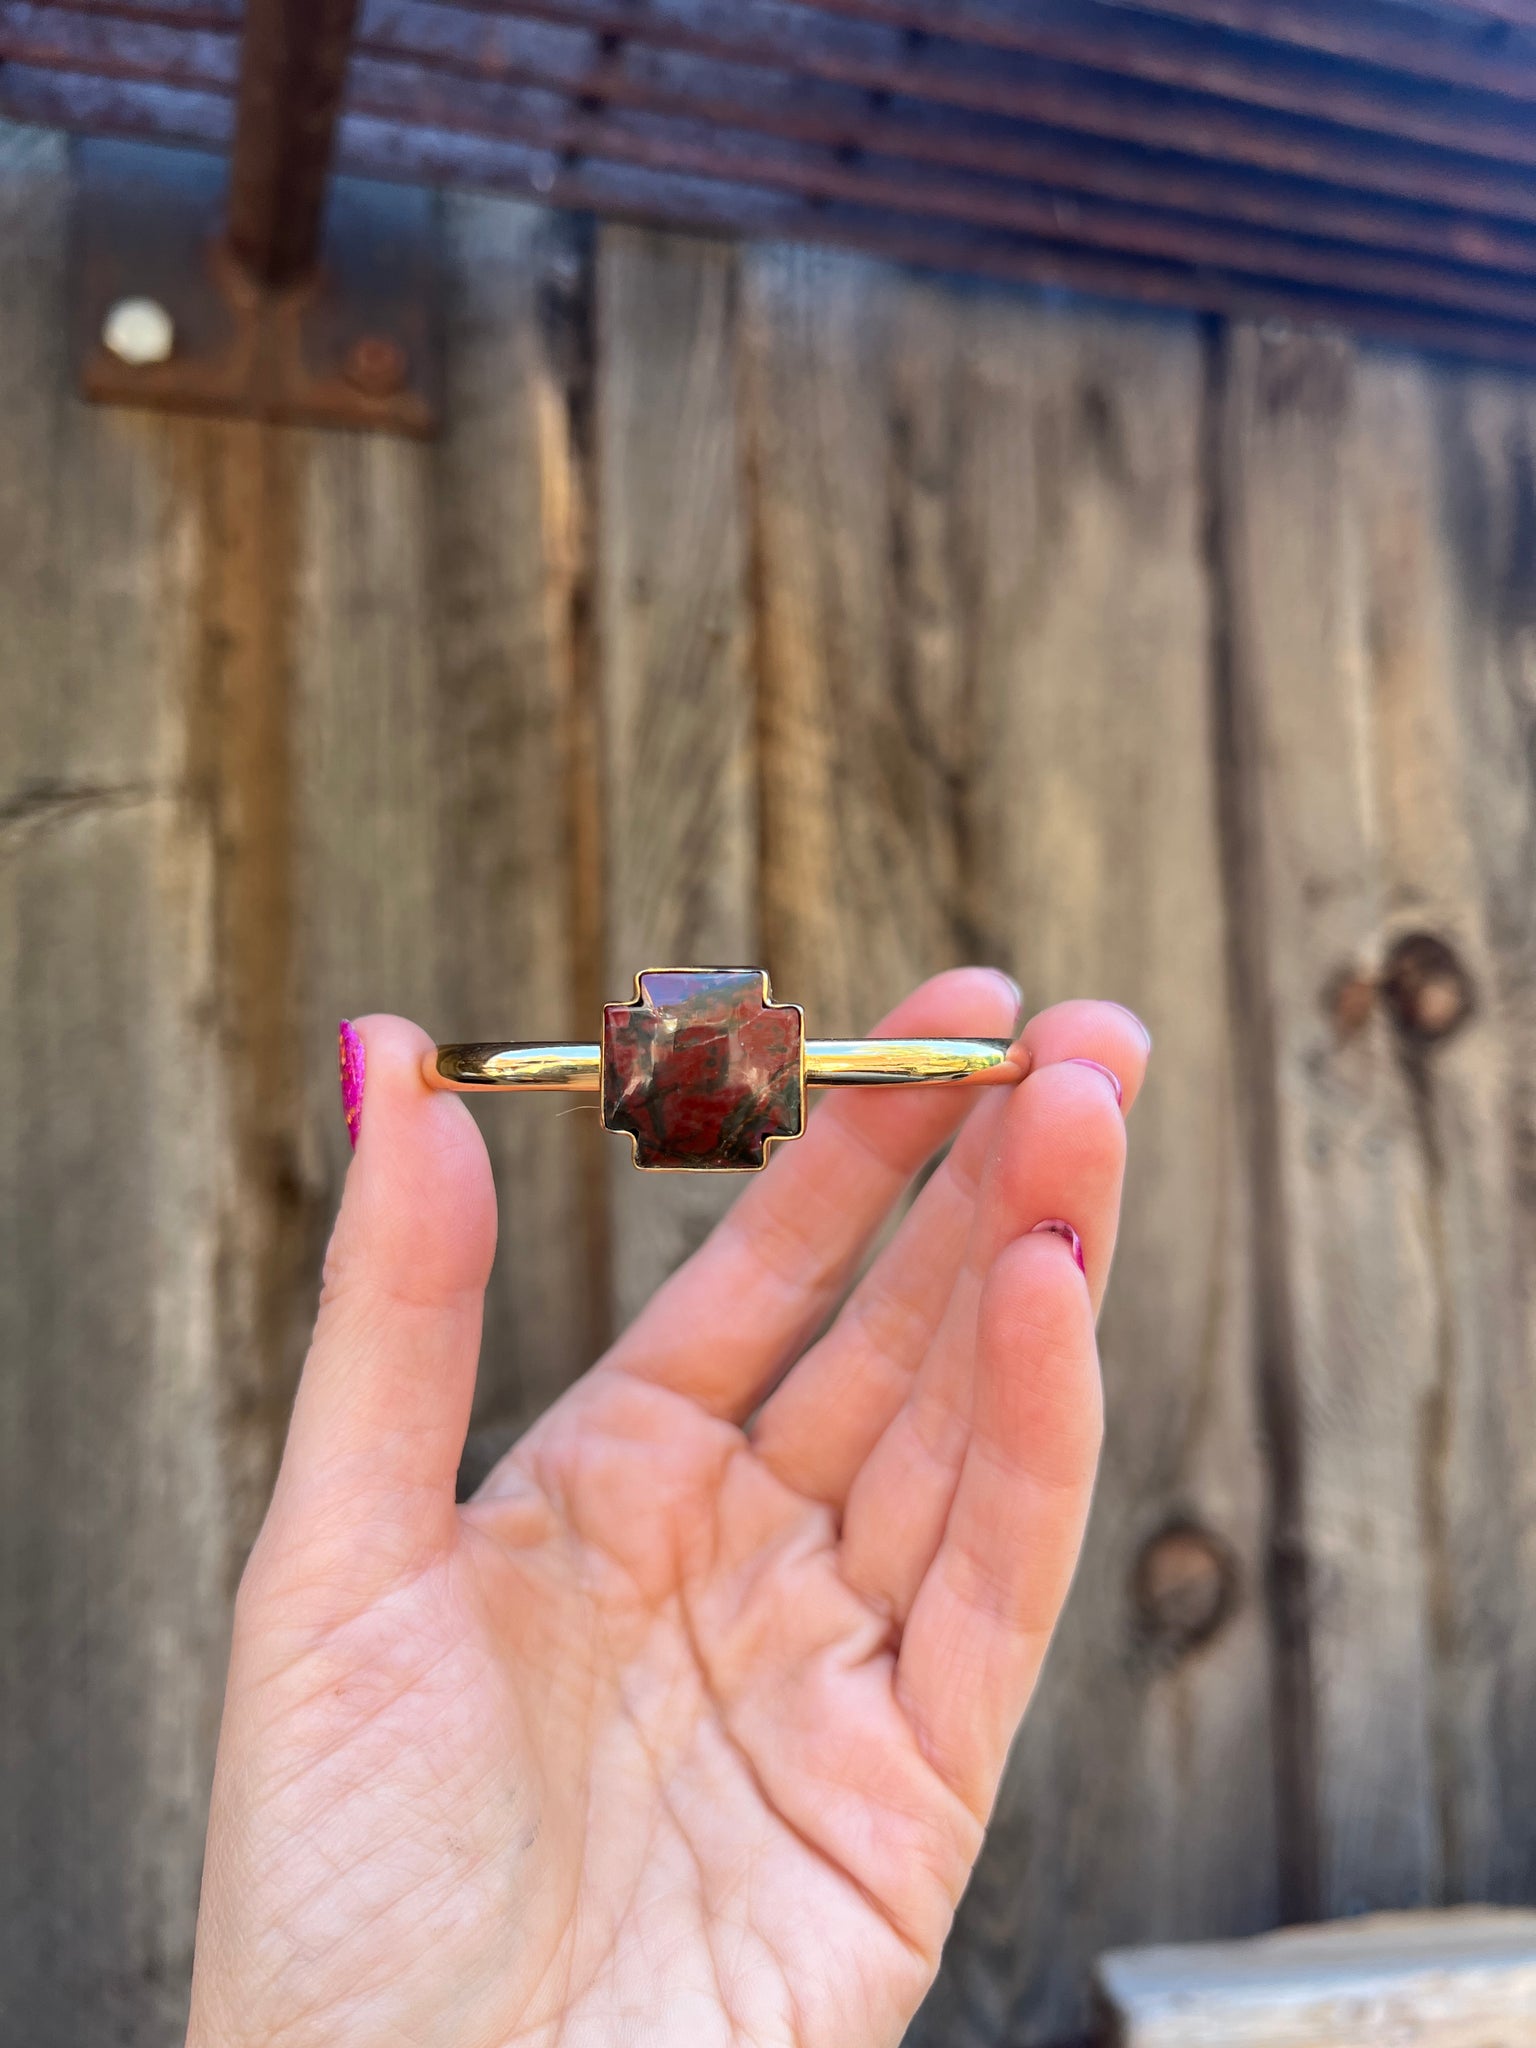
column 704, row 1069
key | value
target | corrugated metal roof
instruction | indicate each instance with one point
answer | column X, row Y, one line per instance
column 1372, row 161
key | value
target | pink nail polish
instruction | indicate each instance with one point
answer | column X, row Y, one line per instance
column 353, row 1062
column 1108, row 1072
column 1065, row 1230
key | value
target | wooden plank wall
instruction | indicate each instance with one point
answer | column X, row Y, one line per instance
column 776, row 604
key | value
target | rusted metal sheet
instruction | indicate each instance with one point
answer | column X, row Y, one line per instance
column 201, row 288
column 349, row 344
column 1365, row 162
column 1128, row 44
column 293, row 62
column 1446, row 49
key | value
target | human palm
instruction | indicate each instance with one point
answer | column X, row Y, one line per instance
column 679, row 1731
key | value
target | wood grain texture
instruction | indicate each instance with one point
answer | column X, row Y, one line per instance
column 1462, row 1979
column 986, row 733
column 673, row 687
column 239, row 487
column 511, row 567
column 1476, row 751
column 852, row 384
column 113, row 1535
column 1349, row 1287
column 1379, row 571
column 1096, row 869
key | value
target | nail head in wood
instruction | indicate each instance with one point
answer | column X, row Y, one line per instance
column 139, row 331
column 376, row 366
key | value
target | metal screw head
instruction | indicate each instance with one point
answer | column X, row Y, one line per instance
column 139, row 332
column 375, row 365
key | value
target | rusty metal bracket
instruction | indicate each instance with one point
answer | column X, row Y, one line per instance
column 348, row 343
column 263, row 290
column 293, row 76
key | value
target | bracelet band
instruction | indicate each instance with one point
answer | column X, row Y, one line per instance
column 573, row 1067
column 705, row 1072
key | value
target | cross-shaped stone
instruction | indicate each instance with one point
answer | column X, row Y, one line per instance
column 704, row 1068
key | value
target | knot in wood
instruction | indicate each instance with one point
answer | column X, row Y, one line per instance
column 1351, row 997
column 1426, row 987
column 1185, row 1587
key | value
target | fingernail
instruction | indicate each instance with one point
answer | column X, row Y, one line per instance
column 1108, row 1072
column 1146, row 1036
column 353, row 1063
column 1064, row 1230
column 1021, row 1011
column 1018, row 997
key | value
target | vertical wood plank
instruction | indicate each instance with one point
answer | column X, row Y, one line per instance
column 113, row 1540
column 1141, row 1795
column 1349, row 1296
column 240, row 484
column 987, row 731
column 674, row 684
column 1475, row 1093
column 852, row 385
column 1389, row 776
column 510, row 570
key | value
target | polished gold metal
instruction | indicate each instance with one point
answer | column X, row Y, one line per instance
column 530, row 1064
column 892, row 1062
column 829, row 1063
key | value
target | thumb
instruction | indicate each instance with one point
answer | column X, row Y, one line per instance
column 383, row 1403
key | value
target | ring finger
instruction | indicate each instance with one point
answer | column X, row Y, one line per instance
column 821, row 1424
column 1059, row 1159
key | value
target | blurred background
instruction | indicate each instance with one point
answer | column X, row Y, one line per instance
column 859, row 487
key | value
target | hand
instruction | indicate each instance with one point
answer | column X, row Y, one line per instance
column 676, row 1732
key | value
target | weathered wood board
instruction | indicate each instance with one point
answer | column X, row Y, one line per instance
column 863, row 726
column 508, row 577
column 673, row 694
column 1377, row 536
column 113, row 1514
column 1348, row 1287
column 987, row 733
column 1460, row 1979
column 1098, row 870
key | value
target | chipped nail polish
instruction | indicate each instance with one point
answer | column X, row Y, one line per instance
column 1108, row 1072
column 1065, row 1230
column 353, row 1063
